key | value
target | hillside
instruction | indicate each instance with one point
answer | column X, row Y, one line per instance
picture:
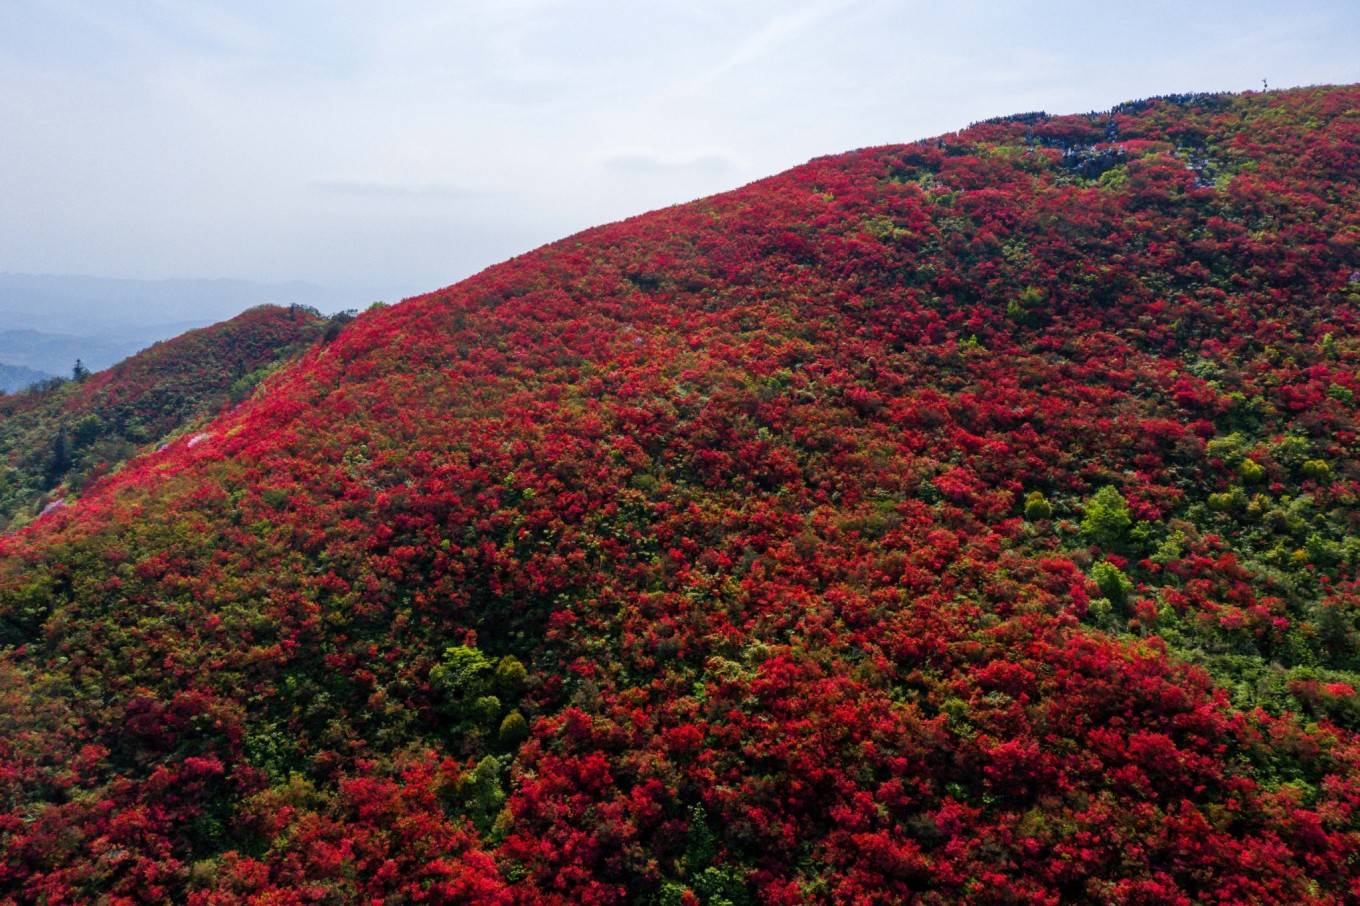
column 56, row 438
column 972, row 520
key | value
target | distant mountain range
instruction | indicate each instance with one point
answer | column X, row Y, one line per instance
column 48, row 321
column 17, row 377
column 56, row 353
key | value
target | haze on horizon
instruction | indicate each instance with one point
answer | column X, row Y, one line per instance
column 334, row 143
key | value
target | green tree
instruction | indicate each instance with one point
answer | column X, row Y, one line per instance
column 1107, row 518
column 510, row 676
column 462, row 674
column 59, row 462
column 86, row 431
column 1316, row 469
column 1251, row 471
column 482, row 793
column 1025, row 308
column 514, row 730
column 1112, row 582
column 1037, row 507
column 463, row 681
column 703, row 875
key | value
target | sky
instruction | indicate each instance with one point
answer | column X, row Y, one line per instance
column 405, row 145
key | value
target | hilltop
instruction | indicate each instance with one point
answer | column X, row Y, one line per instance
column 970, row 520
column 50, row 320
column 59, row 435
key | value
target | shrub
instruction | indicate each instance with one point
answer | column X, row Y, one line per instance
column 486, row 708
column 1024, row 308
column 1107, row 517
column 1290, row 450
column 1226, row 501
column 1316, row 469
column 482, row 793
column 510, row 676
column 1230, row 448
column 86, row 431
column 461, row 677
column 514, row 730
column 1037, row 507
column 1113, row 584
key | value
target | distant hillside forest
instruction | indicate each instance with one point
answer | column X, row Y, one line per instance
column 60, row 434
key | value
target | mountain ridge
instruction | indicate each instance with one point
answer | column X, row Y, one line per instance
column 56, row 436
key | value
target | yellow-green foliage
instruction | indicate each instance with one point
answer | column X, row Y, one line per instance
column 1107, row 518
column 1037, row 507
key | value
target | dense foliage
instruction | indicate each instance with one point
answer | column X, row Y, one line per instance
column 58, row 435
column 966, row 521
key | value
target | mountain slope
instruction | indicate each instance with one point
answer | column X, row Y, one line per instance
column 965, row 521
column 53, row 439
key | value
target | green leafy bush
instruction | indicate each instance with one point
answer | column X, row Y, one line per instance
column 1106, row 519
column 1112, row 582
column 1037, row 507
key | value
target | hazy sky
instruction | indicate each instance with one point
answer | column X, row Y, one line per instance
column 407, row 144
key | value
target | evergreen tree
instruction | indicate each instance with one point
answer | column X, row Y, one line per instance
column 60, row 460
